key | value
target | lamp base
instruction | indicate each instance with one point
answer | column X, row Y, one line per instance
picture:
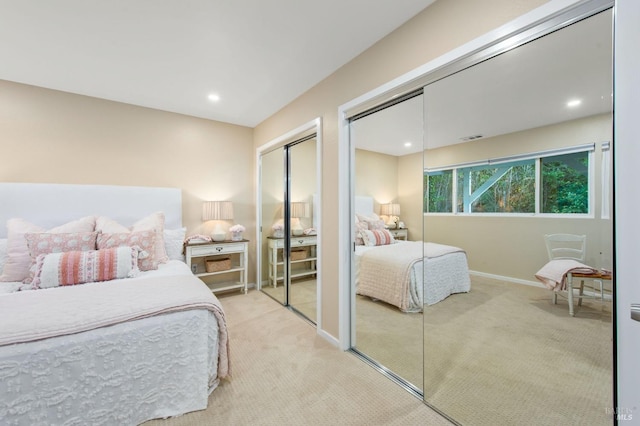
column 218, row 237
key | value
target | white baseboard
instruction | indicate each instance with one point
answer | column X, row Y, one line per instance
column 329, row 338
column 505, row 278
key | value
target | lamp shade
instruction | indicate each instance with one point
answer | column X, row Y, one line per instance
column 217, row 210
column 299, row 209
column 390, row 209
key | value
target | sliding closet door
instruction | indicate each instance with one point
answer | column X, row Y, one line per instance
column 303, row 257
column 272, row 195
column 517, row 147
column 288, row 185
column 387, row 185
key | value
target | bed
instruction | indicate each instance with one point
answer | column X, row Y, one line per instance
column 122, row 351
column 408, row 274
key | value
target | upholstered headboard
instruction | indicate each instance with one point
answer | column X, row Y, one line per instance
column 364, row 205
column 49, row 205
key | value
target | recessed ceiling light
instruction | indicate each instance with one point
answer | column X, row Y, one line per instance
column 407, row 144
column 574, row 103
column 214, row 97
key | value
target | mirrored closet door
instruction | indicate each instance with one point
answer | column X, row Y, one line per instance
column 387, row 222
column 288, row 243
column 518, row 147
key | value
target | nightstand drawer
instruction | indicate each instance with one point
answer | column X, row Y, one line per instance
column 303, row 241
column 212, row 249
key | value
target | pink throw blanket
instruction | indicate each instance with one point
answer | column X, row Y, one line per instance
column 40, row 314
column 554, row 274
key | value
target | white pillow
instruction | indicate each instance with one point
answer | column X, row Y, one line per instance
column 3, row 252
column 174, row 243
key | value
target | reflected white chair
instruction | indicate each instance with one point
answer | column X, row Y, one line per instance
column 570, row 246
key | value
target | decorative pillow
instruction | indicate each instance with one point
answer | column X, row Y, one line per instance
column 360, row 226
column 145, row 240
column 154, row 221
column 79, row 267
column 377, row 237
column 44, row 243
column 18, row 261
column 174, row 243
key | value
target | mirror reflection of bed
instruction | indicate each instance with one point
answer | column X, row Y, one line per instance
column 502, row 352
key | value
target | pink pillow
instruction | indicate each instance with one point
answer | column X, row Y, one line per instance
column 79, row 267
column 377, row 238
column 18, row 261
column 154, row 221
column 45, row 243
column 145, row 240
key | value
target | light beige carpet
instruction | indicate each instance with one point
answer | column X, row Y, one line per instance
column 302, row 297
column 284, row 374
column 501, row 354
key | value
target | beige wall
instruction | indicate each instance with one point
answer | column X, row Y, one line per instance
column 49, row 136
column 514, row 246
column 438, row 29
column 376, row 176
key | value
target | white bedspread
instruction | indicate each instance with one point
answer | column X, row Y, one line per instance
column 397, row 274
column 126, row 350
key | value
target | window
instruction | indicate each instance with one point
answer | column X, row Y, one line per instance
column 565, row 183
column 562, row 181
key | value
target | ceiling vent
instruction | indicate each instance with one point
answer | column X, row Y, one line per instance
column 470, row 138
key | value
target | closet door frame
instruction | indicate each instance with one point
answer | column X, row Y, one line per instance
column 309, row 128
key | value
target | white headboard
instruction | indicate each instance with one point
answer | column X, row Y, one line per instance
column 364, row 205
column 50, row 205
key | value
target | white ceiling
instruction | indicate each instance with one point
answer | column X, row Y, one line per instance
column 525, row 88
column 170, row 55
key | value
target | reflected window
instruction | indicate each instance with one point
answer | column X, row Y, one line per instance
column 510, row 187
column 565, row 183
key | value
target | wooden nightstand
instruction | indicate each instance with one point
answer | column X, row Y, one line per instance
column 237, row 251
column 306, row 265
column 400, row 234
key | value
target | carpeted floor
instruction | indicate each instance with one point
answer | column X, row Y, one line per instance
column 303, row 296
column 284, row 374
column 501, row 354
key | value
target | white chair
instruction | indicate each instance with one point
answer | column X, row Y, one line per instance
column 570, row 246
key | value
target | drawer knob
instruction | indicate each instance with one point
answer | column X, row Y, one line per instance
column 219, row 248
column 300, row 241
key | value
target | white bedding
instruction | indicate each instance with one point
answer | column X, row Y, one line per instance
column 126, row 373
column 443, row 275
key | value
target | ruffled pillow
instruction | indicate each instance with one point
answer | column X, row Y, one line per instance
column 18, row 260
column 79, row 267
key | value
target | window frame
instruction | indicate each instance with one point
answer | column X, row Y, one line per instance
column 536, row 156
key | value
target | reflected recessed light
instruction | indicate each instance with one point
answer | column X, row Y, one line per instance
column 214, row 97
column 407, row 144
column 574, row 103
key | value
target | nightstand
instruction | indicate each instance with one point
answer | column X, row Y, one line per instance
column 400, row 234
column 237, row 251
column 305, row 266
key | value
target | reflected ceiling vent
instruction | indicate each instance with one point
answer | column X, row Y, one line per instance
column 470, row 138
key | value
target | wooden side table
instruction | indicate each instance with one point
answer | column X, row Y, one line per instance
column 276, row 262
column 237, row 251
column 400, row 233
